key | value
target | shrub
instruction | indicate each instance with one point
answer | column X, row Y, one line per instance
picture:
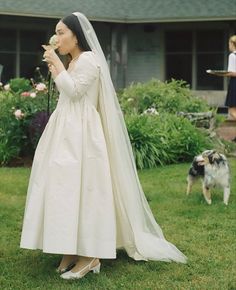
column 19, row 85
column 17, row 112
column 174, row 96
column 163, row 139
column 158, row 135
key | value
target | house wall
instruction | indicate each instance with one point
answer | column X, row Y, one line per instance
column 134, row 52
column 145, row 53
column 148, row 55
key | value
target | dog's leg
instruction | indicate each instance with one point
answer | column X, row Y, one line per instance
column 206, row 193
column 226, row 195
column 190, row 182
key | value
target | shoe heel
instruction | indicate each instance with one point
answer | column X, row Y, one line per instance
column 96, row 269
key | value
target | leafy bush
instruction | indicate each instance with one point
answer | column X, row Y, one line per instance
column 171, row 97
column 19, row 85
column 158, row 135
column 163, row 139
column 18, row 111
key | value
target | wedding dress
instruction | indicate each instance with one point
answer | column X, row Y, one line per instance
column 84, row 195
column 70, row 206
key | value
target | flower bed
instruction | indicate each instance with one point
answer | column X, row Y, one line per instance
column 23, row 116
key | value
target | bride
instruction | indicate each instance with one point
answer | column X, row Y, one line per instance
column 84, row 196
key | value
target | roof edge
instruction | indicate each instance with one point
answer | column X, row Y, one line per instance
column 126, row 20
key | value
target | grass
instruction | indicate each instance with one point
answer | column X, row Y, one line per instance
column 205, row 234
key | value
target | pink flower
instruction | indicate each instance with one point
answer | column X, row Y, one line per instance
column 25, row 94
column 33, row 95
column 7, row 87
column 18, row 114
column 41, row 87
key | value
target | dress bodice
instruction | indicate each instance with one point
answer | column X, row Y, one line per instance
column 81, row 82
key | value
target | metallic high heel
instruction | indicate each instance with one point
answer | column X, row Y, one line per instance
column 79, row 274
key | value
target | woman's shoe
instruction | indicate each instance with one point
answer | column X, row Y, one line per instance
column 63, row 270
column 82, row 272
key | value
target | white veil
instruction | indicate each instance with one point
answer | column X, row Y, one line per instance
column 137, row 230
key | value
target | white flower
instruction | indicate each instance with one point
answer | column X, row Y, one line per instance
column 130, row 99
column 33, row 95
column 53, row 41
column 41, row 87
column 1, row 84
column 7, row 87
column 151, row 111
column 18, row 114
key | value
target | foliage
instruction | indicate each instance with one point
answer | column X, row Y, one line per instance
column 17, row 112
column 163, row 139
column 158, row 134
column 19, row 85
column 174, row 96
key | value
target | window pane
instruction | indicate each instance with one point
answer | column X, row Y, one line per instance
column 210, row 41
column 178, row 41
column 28, row 64
column 179, row 66
column 7, row 60
column 209, row 61
column 7, row 40
column 31, row 41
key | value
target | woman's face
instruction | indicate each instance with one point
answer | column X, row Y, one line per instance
column 66, row 39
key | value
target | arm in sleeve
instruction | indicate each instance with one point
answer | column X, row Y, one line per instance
column 83, row 77
column 232, row 63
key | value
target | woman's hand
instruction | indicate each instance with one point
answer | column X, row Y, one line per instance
column 50, row 56
column 53, row 70
column 232, row 74
column 54, row 63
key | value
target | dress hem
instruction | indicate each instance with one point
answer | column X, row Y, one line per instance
column 69, row 253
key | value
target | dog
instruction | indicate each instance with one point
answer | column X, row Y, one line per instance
column 213, row 168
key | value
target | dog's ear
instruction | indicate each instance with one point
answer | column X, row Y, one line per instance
column 214, row 155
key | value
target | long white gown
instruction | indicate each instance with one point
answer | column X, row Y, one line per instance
column 81, row 199
column 69, row 206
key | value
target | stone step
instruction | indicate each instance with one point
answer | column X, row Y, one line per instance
column 229, row 123
column 227, row 130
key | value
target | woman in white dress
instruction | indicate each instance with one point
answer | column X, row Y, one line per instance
column 84, row 197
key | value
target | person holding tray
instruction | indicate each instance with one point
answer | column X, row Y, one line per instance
column 230, row 101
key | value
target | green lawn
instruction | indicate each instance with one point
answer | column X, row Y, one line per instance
column 206, row 235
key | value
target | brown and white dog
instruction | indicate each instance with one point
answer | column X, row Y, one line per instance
column 212, row 167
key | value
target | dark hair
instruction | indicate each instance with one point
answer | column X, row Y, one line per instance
column 72, row 22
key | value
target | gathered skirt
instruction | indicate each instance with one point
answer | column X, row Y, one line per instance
column 69, row 206
column 231, row 94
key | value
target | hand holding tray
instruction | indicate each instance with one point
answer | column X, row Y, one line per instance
column 217, row 72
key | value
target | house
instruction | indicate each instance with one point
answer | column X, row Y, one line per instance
column 141, row 39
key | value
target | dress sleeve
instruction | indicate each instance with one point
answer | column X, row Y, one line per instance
column 76, row 85
column 232, row 62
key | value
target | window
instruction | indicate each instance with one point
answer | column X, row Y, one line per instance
column 27, row 46
column 7, row 54
column 209, row 55
column 31, row 52
column 179, row 55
